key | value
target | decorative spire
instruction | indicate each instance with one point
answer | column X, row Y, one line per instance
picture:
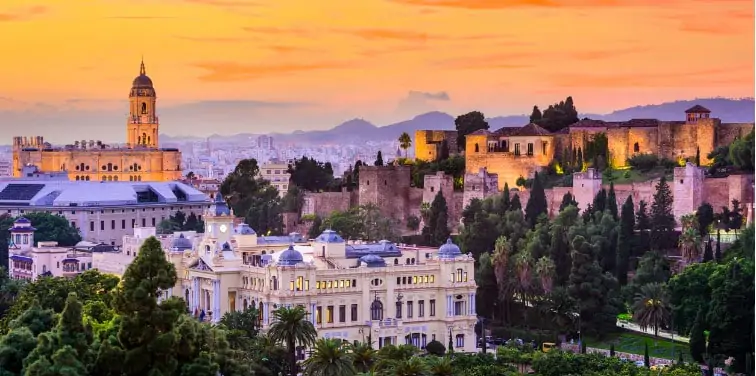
column 142, row 71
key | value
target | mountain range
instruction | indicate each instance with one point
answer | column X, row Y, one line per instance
column 360, row 130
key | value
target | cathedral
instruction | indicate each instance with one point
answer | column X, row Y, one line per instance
column 140, row 159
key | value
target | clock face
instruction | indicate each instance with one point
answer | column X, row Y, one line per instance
column 223, row 228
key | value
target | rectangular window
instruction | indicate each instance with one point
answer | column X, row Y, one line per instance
column 460, row 342
column 307, row 285
column 544, row 144
column 354, row 312
column 112, row 224
column 153, row 221
column 317, row 285
column 329, row 314
column 291, row 285
column 421, row 308
column 432, row 303
column 459, row 308
column 398, row 310
column 464, row 277
column 91, row 225
column 123, row 224
column 410, row 309
column 102, row 225
column 459, row 275
column 342, row 313
column 144, row 222
column 517, row 149
column 300, row 283
column 530, row 148
column 133, row 222
column 73, row 224
column 432, row 279
column 319, row 315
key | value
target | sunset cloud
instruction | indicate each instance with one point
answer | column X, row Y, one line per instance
column 229, row 71
column 391, row 34
column 22, row 14
column 716, row 76
column 504, row 4
column 226, row 3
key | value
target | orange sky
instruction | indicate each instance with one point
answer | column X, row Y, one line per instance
column 347, row 57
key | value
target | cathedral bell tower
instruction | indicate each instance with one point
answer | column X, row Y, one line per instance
column 142, row 124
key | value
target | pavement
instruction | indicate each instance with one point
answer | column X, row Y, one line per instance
column 662, row 334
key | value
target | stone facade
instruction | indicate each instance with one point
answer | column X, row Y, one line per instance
column 428, row 143
column 688, row 189
column 387, row 187
column 139, row 160
column 480, row 186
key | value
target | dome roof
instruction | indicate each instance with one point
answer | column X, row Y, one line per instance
column 22, row 220
column 244, row 229
column 142, row 81
column 290, row 257
column 449, row 250
column 330, row 236
column 181, row 243
column 219, row 207
column 142, row 84
column 373, row 261
column 226, row 246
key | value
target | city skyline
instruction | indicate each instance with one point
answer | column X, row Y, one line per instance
column 288, row 65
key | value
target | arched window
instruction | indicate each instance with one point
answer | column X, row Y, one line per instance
column 144, row 138
column 144, row 108
column 260, row 312
column 148, row 140
column 115, row 178
column 476, row 148
column 376, row 310
column 396, row 261
column 87, row 179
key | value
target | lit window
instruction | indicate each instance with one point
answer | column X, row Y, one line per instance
column 432, row 279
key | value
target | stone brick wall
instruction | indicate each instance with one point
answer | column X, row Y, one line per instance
column 480, row 186
column 687, row 190
column 323, row 204
column 428, row 143
column 728, row 132
column 505, row 165
column 717, row 193
column 387, row 187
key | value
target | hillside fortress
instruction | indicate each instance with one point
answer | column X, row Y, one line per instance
column 513, row 152
column 140, row 159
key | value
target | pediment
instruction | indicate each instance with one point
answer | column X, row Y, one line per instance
column 200, row 265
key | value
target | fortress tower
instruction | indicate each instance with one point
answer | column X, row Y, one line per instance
column 687, row 190
column 586, row 185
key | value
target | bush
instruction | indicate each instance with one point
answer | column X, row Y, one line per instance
column 435, row 348
column 643, row 162
column 413, row 223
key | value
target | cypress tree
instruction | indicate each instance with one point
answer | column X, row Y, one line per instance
column 646, row 358
column 438, row 221
column 537, row 204
column 697, row 338
column 625, row 240
column 662, row 219
column 698, row 156
column 567, row 200
column 599, row 202
column 379, row 159
column 515, row 204
column 536, row 115
column 583, row 346
column 505, row 201
column 611, row 350
column 580, row 159
column 587, row 214
column 574, row 158
column 611, row 202
column 718, row 252
column 708, row 253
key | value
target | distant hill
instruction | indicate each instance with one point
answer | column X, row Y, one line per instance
column 360, row 130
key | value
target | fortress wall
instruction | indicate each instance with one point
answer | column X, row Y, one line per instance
column 323, row 204
column 684, row 139
column 618, row 149
column 507, row 166
column 717, row 193
column 647, row 139
column 387, row 187
column 728, row 132
column 415, row 200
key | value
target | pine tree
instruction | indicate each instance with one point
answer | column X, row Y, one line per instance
column 599, row 202
column 515, row 204
column 625, row 240
column 537, row 204
column 611, row 202
column 662, row 219
column 379, row 159
column 697, row 336
column 567, row 200
column 708, row 253
column 438, row 230
column 146, row 330
column 504, row 201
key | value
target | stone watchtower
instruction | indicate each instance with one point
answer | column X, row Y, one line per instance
column 388, row 188
column 687, row 189
column 480, row 186
column 585, row 186
column 699, row 118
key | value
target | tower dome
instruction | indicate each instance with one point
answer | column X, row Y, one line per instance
column 330, row 236
column 449, row 250
column 142, row 84
column 290, row 257
column 373, row 261
column 219, row 207
column 181, row 243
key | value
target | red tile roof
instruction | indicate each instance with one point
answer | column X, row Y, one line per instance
column 698, row 109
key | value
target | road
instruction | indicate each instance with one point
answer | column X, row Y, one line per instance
column 662, row 334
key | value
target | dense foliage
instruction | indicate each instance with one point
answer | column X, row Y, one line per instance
column 49, row 227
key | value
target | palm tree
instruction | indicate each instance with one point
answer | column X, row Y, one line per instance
column 363, row 356
column 523, row 265
column 545, row 270
column 389, row 356
column 414, row 366
column 502, row 267
column 291, row 327
column 689, row 242
column 651, row 309
column 330, row 357
column 440, row 366
column 404, row 142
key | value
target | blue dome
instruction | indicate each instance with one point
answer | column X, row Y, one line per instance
column 22, row 220
column 226, row 246
column 244, row 229
column 330, row 236
column 449, row 250
column 181, row 243
column 219, row 206
column 373, row 261
column 290, row 257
